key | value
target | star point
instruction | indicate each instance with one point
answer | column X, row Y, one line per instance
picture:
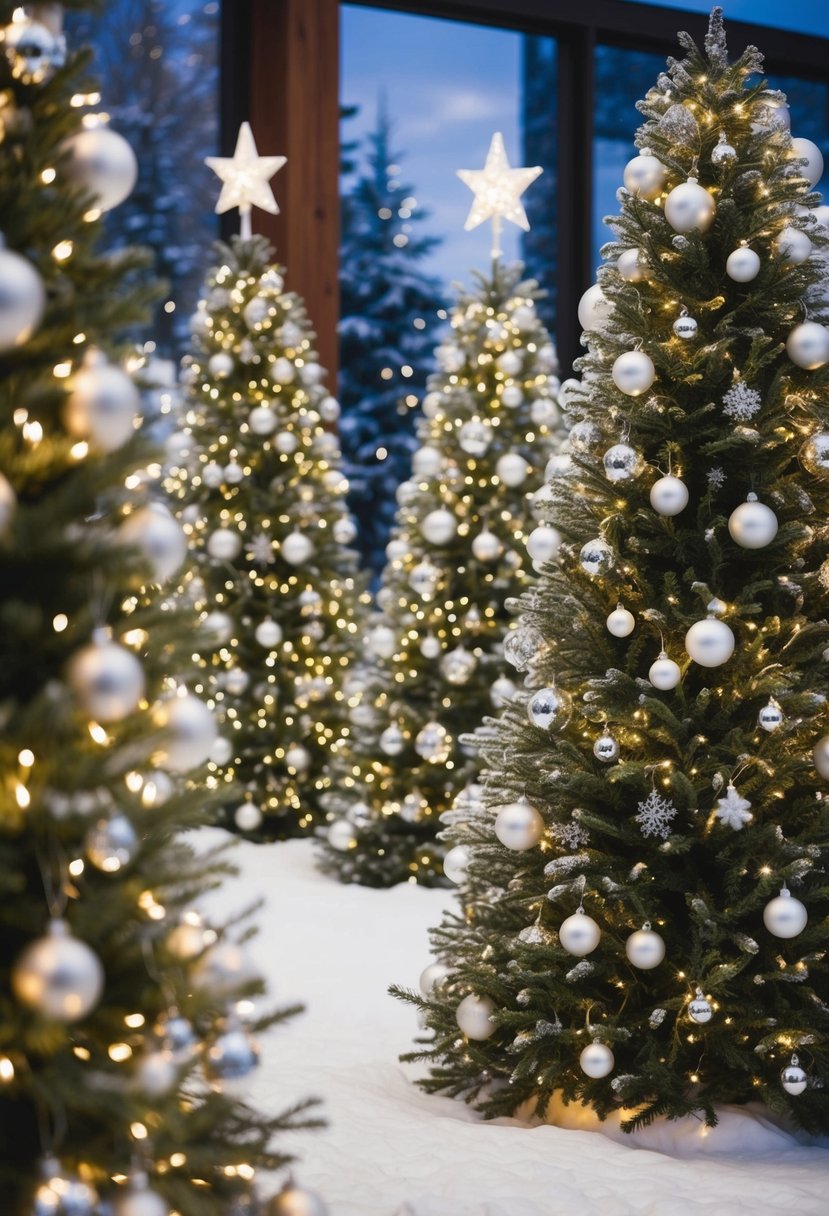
column 497, row 189
column 245, row 176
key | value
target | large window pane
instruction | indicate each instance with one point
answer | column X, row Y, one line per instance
column 804, row 16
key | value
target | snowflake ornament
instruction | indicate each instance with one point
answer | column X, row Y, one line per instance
column 741, row 402
column 655, row 815
column 570, row 835
column 716, row 478
column 260, row 549
column 733, row 811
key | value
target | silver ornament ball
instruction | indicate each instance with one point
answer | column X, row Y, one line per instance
column 219, row 625
column 597, row 1060
column 298, row 758
column 770, row 717
column 475, row 437
column 793, row 1078
column 102, row 405
column 432, row 743
column 621, row 622
column 60, row 1193
column 296, row 548
column 522, row 645
column 784, row 916
column 340, row 835
column 22, row 299
column 268, row 633
column 645, row 949
column 456, row 864
column 597, row 557
column 58, row 975
column 689, row 207
column 189, row 731
column 594, row 309
column 808, row 345
column 158, row 537
column 107, row 679
column 224, row 544
column 295, row 1200
column 457, row 665
column 622, row 462
column 138, row 1199
column 519, row 826
column 579, row 934
column 102, row 163
column 549, row 709
column 433, row 977
column 392, row 740
column 487, row 546
column 263, row 421
column 669, row 496
column 645, row 175
column 606, row 749
column 427, row 462
column 710, row 642
column 247, row 817
column 230, row 1059
column 111, row 843
column 474, row 1017
column 502, row 691
column 685, row 327
column 742, row 264
column 814, row 454
column 439, row 526
column 752, row 525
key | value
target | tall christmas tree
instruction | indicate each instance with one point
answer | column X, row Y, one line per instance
column 645, row 915
column 388, row 316
column 262, row 498
column 456, row 558
column 122, row 1035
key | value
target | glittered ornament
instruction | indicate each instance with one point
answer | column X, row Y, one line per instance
column 645, row 949
column 268, row 633
column 432, row 978
column 710, row 642
column 106, row 678
column 432, row 743
column 752, row 524
column 742, row 264
column 583, row 436
column 457, row 665
column 22, row 299
column 807, row 151
column 606, row 748
column 700, row 1009
column 295, row 1200
column 298, row 758
column 814, row 454
column 475, row 437
column 392, row 740
column 669, row 496
column 622, row 462
column 664, row 673
column 474, row 1017
column 793, row 1078
column 633, row 373
column 596, row 1060
column 522, row 645
column 597, row 557
column 103, row 164
column 456, row 864
column 102, row 405
column 487, row 546
column 621, row 622
column 792, row 246
column 685, row 326
column 773, row 113
column 645, row 175
column 594, row 309
column 439, row 526
column 631, row 265
column 296, row 548
column 224, row 544
column 689, row 207
column 58, row 975
column 188, row 731
column 549, row 708
column 158, row 537
column 558, row 466
column 808, row 345
column 723, row 153
column 519, row 826
column 579, row 934
column 111, row 843
column 60, row 1193
column 784, row 916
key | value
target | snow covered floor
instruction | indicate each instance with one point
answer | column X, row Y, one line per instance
column 391, row 1150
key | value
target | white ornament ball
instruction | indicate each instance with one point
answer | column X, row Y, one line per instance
column 821, row 214
column 664, row 673
column 621, row 622
column 770, row 717
column 329, row 409
column 58, row 975
column 633, row 373
column 509, row 363
column 189, row 730
column 286, row 442
column 392, row 740
column 689, row 207
column 524, row 317
column 282, row 371
column 224, row 544
column 645, row 175
column 606, row 749
column 487, row 546
column 432, row 977
column 594, row 309
column 645, row 949
column 579, row 934
column 107, row 679
column 549, row 708
column 382, row 641
column 456, row 864
column 298, row 758
column 427, row 462
column 255, row 311
column 268, row 633
column 558, row 466
column 457, row 665
column 158, row 536
column 622, row 462
column 804, row 149
column 742, row 264
column 752, row 525
column 340, row 836
column 545, row 412
column 475, row 437
column 793, row 1079
column 512, row 396
column 221, row 750
column 519, row 826
column 432, row 404
column 710, row 642
column 792, row 246
column 669, row 496
column 247, row 817
column 102, row 163
column 544, row 543
column 474, row 1017
column 102, row 405
column 784, row 916
column 156, row 1072
column 631, row 265
column 430, row 646
column 233, row 473
column 685, row 327
column 220, row 365
column 439, row 526
column 236, row 681
column 224, row 969
column 22, row 299
column 808, row 345
column 262, row 420
column 502, row 691
column 219, row 625
column 775, row 115
column 296, row 548
column 597, row 1061
column 512, row 469
column 8, row 505
column 432, row 743
column 212, row 475
column 820, row 756
column 312, row 373
column 700, row 1010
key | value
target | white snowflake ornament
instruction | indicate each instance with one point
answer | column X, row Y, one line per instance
column 260, row 549
column 733, row 811
column 741, row 402
column 655, row 815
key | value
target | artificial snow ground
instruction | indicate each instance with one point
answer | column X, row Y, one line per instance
column 390, row 1150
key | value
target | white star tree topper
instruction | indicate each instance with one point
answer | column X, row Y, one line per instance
column 245, row 178
column 498, row 189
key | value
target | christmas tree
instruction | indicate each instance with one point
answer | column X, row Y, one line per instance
column 644, row 921
column 125, row 1020
column 258, row 487
column 456, row 558
column 388, row 315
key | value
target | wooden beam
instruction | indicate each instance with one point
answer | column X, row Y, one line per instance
column 293, row 107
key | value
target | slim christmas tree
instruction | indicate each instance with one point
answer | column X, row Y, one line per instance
column 645, row 916
column 456, row 558
column 263, row 501
column 121, row 1031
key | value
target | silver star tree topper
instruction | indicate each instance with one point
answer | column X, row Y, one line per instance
column 245, row 178
column 498, row 189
